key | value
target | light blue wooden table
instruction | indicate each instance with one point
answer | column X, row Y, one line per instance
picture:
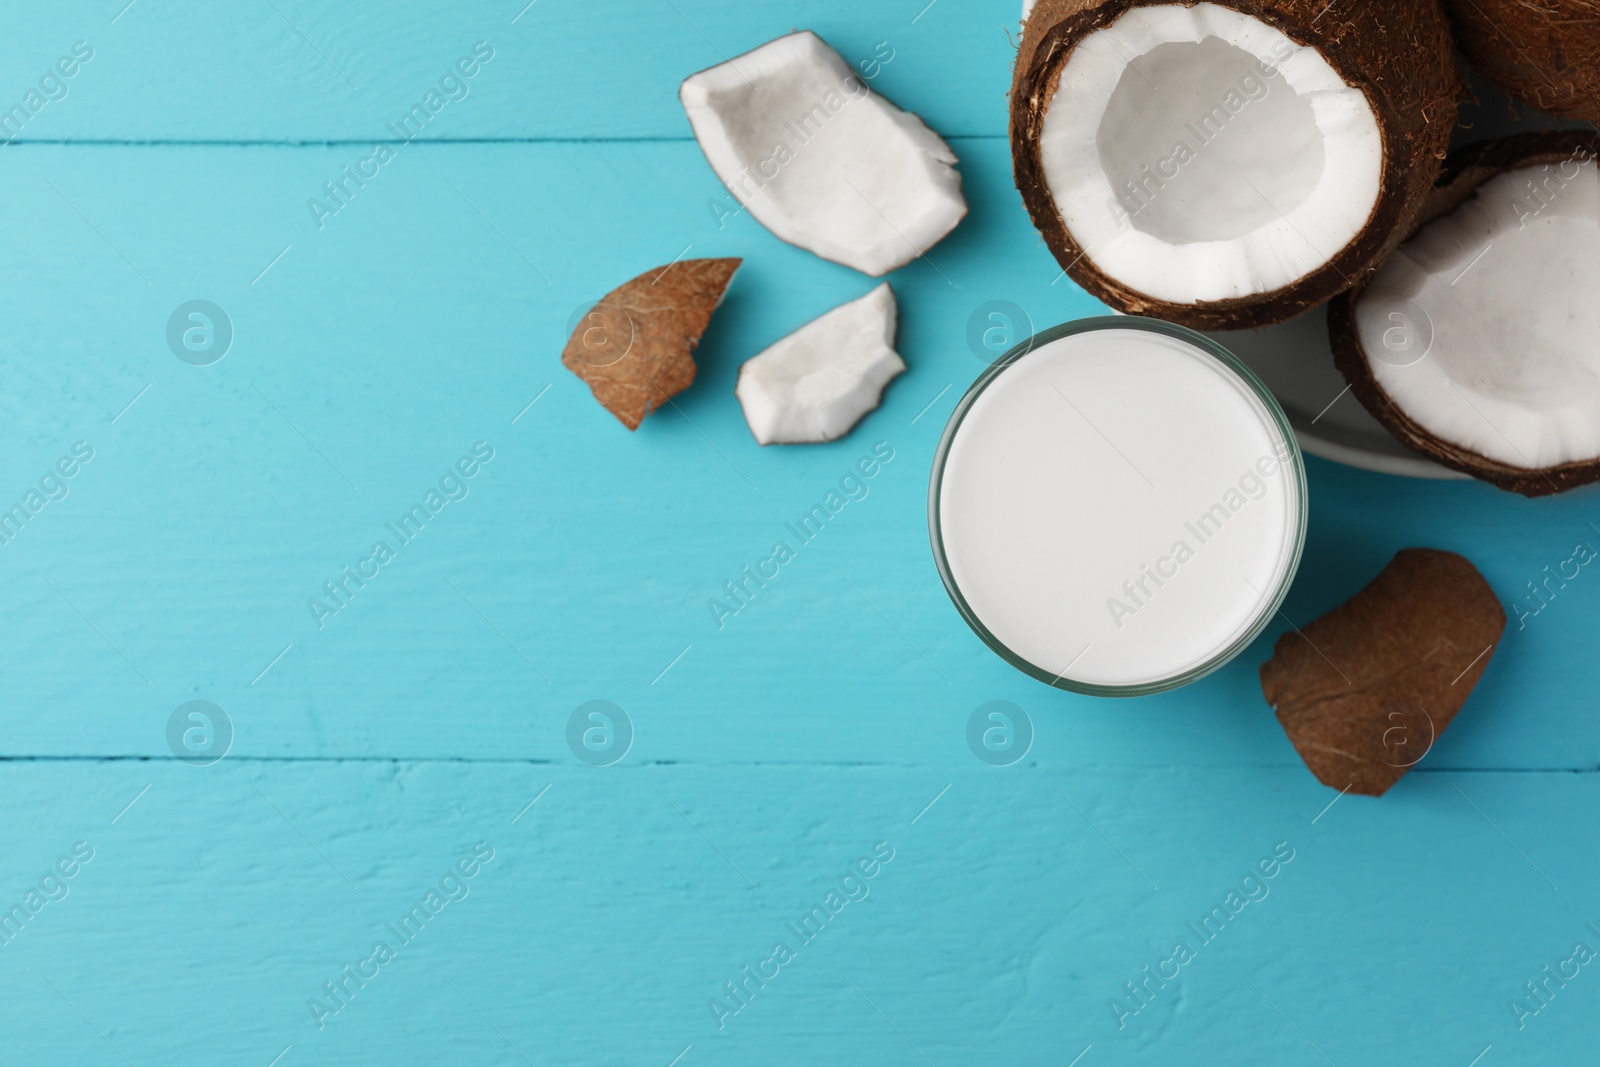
column 424, row 727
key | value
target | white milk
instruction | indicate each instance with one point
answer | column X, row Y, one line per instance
column 1119, row 508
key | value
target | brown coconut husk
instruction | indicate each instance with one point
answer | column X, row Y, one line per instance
column 1399, row 52
column 635, row 347
column 1464, row 172
column 1543, row 52
column 1365, row 691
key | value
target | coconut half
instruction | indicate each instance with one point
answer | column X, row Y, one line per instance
column 1478, row 343
column 821, row 160
column 818, row 382
column 1228, row 165
column 1546, row 52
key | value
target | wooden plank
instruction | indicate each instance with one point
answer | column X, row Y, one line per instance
column 426, row 316
column 617, row 907
column 296, row 71
column 373, row 347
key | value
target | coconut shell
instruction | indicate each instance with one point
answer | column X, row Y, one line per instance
column 1364, row 691
column 1544, row 52
column 1464, row 172
column 635, row 347
column 1399, row 52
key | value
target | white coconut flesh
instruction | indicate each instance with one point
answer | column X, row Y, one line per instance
column 804, row 144
column 1197, row 154
column 818, row 382
column 1484, row 328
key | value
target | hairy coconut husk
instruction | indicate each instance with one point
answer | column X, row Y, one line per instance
column 635, row 347
column 1464, row 172
column 1399, row 52
column 1364, row 691
column 1544, row 52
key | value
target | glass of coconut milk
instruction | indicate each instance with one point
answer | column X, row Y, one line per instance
column 1118, row 506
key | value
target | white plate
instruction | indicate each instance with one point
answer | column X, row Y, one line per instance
column 1295, row 360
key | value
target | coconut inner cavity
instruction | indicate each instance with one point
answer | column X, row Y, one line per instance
column 1253, row 148
column 1485, row 327
column 1198, row 154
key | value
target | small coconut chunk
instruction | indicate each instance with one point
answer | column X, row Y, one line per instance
column 821, row 160
column 1364, row 691
column 1476, row 342
column 1541, row 51
column 818, row 382
column 635, row 347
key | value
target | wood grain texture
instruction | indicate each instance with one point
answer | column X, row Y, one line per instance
column 299, row 71
column 384, row 345
column 426, row 315
column 1012, row 911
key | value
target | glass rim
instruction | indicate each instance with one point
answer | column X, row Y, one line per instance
column 1295, row 460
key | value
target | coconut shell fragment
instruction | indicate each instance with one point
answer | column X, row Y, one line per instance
column 1546, row 52
column 635, row 347
column 1364, row 691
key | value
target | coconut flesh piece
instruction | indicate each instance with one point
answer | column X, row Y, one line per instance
column 820, row 159
column 1482, row 329
column 1200, row 155
column 818, row 382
